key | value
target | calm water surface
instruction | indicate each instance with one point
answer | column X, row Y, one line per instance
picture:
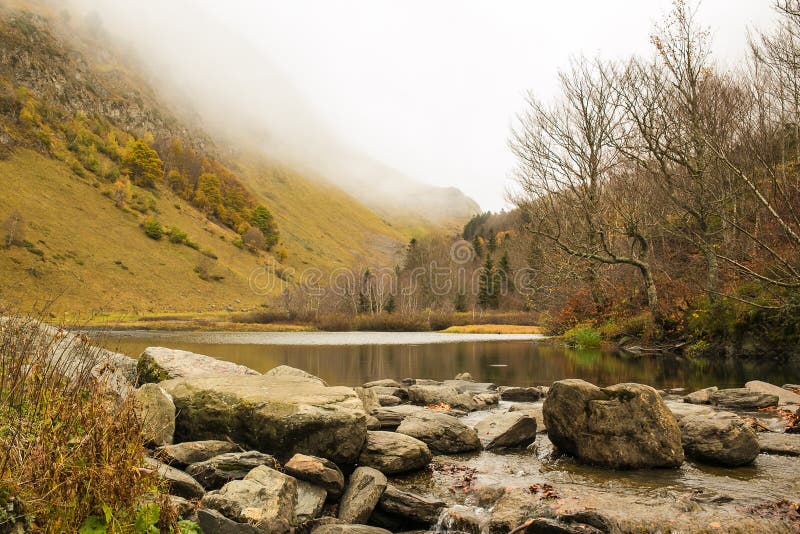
column 352, row 358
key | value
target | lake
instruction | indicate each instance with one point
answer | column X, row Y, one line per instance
column 352, row 358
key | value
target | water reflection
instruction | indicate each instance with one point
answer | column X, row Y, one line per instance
column 505, row 362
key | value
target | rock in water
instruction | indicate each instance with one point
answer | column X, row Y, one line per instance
column 190, row 452
column 264, row 498
column 510, row 429
column 785, row 397
column 156, row 410
column 413, row 508
column 160, row 363
column 277, row 415
column 285, row 370
column 427, row 395
column 784, row 444
column 363, row 492
column 624, row 426
column 318, row 471
column 722, row 438
column 349, row 529
column 442, row 433
column 520, row 394
column 514, row 507
column 743, row 399
column 219, row 470
column 701, row 396
column 392, row 453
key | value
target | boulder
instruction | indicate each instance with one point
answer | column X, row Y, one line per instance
column 519, row 394
column 464, row 377
column 392, row 453
column 373, row 423
column 219, row 470
column 190, row 452
column 468, row 386
column 722, row 438
column 179, row 483
column 389, row 400
column 546, row 525
column 369, row 398
column 392, row 416
column 785, row 397
column 212, row 521
column 464, row 519
column 277, row 415
column 428, row 395
column 156, row 411
column 532, row 410
column 784, row 444
column 482, row 400
column 510, row 429
column 285, row 370
column 363, row 492
column 157, row 364
column 386, row 382
column 183, row 507
column 310, row 501
column 412, row 508
column 682, row 409
column 623, row 426
column 264, row 498
column 743, row 399
column 401, row 393
column 318, row 471
column 514, row 507
column 349, row 529
column 701, row 396
column 442, row 433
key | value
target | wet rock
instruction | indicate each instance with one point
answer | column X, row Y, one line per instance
column 369, row 398
column 156, row 411
column 386, row 382
column 264, row 498
column 519, row 394
column 442, row 433
column 514, row 508
column 543, row 525
column 392, row 416
column 310, row 501
column 277, row 415
column 212, row 521
column 389, row 400
column 160, row 363
column 285, row 370
column 179, row 483
column 364, row 490
column 190, row 452
column 401, row 393
column 420, row 382
column 681, row 409
column 593, row 519
column 466, row 377
column 392, row 453
column 449, row 395
column 465, row 519
column 783, row 444
column 468, row 386
column 318, row 471
column 785, row 397
column 510, row 429
column 410, row 507
column 349, row 529
column 622, row 426
column 701, row 396
column 532, row 411
column 743, row 399
column 219, row 470
column 482, row 400
column 723, row 438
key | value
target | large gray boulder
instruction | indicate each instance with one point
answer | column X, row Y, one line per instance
column 156, row 411
column 783, row 444
column 440, row 394
column 285, row 370
column 264, row 498
column 442, row 433
column 722, row 438
column 623, row 426
column 468, row 386
column 364, row 490
column 178, row 482
column 310, row 501
column 514, row 507
column 277, row 415
column 519, row 394
column 392, row 416
column 743, row 399
column 190, row 452
column 219, row 470
column 701, row 396
column 785, row 397
column 160, row 363
column 392, row 453
column 510, row 429
column 410, row 507
column 212, row 521
column 318, row 471
column 369, row 398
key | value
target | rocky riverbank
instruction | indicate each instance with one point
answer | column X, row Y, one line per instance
column 284, row 452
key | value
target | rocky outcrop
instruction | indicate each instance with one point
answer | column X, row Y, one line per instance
column 389, row 400
column 514, row 507
column 190, row 452
column 783, row 444
column 519, row 394
column 785, row 397
column 411, row 508
column 219, row 470
column 392, row 416
column 178, row 482
column 160, row 363
column 364, row 490
column 318, row 471
column 743, row 399
column 156, row 411
column 264, row 498
column 392, row 453
column 310, row 501
column 442, row 433
column 510, row 429
column 285, row 370
column 722, row 438
column 426, row 395
column 623, row 426
column 277, row 415
column 369, row 398
column 701, row 396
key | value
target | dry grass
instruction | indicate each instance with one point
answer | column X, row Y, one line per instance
column 493, row 329
column 69, row 449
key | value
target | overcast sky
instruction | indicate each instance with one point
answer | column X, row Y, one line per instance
column 431, row 87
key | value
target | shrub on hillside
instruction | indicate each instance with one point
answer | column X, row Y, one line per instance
column 177, row 236
column 153, row 229
column 143, row 164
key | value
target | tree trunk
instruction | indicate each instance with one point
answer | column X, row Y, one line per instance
column 712, row 272
column 652, row 293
